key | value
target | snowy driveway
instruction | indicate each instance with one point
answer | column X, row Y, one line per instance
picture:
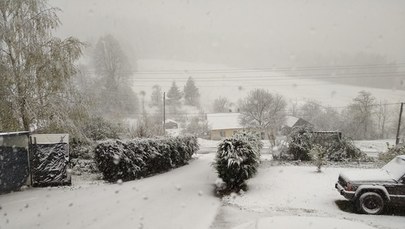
column 181, row 198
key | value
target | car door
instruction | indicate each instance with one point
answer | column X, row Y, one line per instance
column 397, row 191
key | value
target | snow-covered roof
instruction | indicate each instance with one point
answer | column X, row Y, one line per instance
column 50, row 138
column 290, row 121
column 222, row 121
column 171, row 120
column 14, row 133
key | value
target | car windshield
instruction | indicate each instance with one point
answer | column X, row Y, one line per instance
column 396, row 167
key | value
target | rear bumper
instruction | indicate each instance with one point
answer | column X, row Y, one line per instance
column 347, row 194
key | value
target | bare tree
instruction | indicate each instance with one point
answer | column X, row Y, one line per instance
column 359, row 115
column 221, row 105
column 36, row 67
column 263, row 111
column 383, row 115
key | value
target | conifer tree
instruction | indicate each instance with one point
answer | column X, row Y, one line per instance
column 191, row 93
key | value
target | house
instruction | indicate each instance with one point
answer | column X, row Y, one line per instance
column 292, row 122
column 171, row 124
column 223, row 125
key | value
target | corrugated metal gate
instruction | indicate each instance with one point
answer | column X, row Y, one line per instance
column 14, row 162
column 49, row 159
column 37, row 160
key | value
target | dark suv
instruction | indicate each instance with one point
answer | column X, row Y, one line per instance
column 370, row 190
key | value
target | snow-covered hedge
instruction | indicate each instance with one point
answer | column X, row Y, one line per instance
column 392, row 152
column 142, row 157
column 237, row 160
column 302, row 140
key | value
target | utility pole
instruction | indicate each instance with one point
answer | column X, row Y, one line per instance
column 164, row 113
column 399, row 124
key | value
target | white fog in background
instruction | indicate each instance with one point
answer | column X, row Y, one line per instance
column 260, row 36
column 254, row 33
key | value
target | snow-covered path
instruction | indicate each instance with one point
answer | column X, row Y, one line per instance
column 181, row 198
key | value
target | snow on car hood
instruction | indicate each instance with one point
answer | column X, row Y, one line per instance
column 369, row 175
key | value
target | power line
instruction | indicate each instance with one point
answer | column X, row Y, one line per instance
column 281, row 78
column 263, row 69
column 277, row 69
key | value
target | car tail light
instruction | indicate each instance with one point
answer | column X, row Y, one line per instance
column 349, row 186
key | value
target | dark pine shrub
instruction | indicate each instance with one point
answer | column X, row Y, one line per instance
column 236, row 160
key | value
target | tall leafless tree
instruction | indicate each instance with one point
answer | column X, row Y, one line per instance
column 263, row 111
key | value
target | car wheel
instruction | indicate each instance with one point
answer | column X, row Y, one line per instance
column 371, row 203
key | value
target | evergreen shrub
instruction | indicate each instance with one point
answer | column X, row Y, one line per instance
column 143, row 157
column 302, row 140
column 237, row 160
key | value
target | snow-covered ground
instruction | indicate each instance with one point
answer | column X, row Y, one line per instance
column 279, row 196
column 291, row 191
column 374, row 147
column 181, row 198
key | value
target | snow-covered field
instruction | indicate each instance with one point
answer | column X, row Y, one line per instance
column 219, row 80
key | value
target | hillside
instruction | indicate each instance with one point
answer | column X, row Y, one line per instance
column 216, row 80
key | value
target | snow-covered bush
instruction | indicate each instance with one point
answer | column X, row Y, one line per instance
column 318, row 155
column 302, row 140
column 299, row 144
column 344, row 150
column 116, row 161
column 252, row 138
column 392, row 152
column 237, row 160
column 98, row 128
column 143, row 157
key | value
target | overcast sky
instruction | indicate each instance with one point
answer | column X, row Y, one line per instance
column 256, row 33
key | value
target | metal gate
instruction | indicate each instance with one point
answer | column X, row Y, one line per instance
column 14, row 163
column 49, row 159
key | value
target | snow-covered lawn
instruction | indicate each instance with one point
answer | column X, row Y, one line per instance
column 279, row 191
column 181, row 198
column 280, row 196
column 374, row 147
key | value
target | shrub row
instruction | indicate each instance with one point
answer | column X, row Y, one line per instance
column 237, row 160
column 302, row 140
column 143, row 157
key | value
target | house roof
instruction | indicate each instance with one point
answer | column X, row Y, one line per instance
column 171, row 121
column 222, row 121
column 290, row 121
